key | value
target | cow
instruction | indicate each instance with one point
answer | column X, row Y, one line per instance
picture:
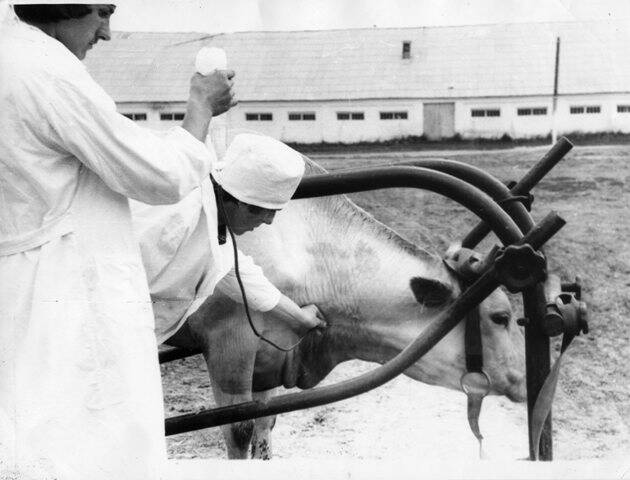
column 377, row 292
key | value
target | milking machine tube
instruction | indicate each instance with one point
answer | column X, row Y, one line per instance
column 432, row 334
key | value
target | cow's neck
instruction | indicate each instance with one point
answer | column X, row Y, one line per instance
column 369, row 286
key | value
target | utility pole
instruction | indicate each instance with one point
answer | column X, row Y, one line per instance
column 554, row 104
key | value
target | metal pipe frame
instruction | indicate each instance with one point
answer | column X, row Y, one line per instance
column 537, row 344
column 370, row 179
column 536, row 341
column 432, row 334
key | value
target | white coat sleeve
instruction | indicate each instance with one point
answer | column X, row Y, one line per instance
column 131, row 160
column 262, row 295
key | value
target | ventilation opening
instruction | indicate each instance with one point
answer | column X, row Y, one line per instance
column 406, row 49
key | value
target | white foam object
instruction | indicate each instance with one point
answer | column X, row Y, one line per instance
column 210, row 59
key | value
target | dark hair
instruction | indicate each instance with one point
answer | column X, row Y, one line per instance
column 255, row 209
column 51, row 13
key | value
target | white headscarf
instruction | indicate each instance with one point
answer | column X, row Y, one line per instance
column 260, row 170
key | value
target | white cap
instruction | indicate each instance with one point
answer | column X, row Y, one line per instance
column 58, row 2
column 260, row 171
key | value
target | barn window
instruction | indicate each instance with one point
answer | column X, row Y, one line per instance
column 393, row 115
column 350, row 116
column 171, row 116
column 531, row 111
column 308, row 116
column 136, row 116
column 576, row 110
column 593, row 109
column 254, row 117
column 623, row 108
column 485, row 112
column 406, row 49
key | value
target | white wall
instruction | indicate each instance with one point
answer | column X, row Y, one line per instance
column 540, row 125
column 327, row 128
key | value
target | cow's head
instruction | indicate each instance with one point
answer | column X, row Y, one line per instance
column 502, row 338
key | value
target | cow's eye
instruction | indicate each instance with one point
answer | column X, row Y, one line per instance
column 501, row 318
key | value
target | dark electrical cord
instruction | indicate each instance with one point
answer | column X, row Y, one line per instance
column 219, row 195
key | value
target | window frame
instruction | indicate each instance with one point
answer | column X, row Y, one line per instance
column 302, row 116
column 259, row 116
column 348, row 116
column 136, row 116
column 406, row 49
column 172, row 116
column 394, row 115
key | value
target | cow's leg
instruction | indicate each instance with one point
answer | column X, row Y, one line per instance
column 229, row 347
column 237, row 436
column 261, row 439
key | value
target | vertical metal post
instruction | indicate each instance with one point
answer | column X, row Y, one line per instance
column 538, row 364
column 554, row 103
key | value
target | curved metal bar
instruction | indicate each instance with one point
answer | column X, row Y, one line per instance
column 414, row 177
column 484, row 182
column 524, row 185
column 494, row 187
column 432, row 334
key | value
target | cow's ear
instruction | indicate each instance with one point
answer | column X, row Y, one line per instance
column 430, row 292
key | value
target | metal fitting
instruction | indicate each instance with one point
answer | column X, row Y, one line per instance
column 567, row 315
column 519, row 267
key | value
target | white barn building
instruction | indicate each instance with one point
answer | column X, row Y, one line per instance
column 380, row 84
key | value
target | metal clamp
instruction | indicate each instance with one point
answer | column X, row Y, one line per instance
column 566, row 315
column 520, row 266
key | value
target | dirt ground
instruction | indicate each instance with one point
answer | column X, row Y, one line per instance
column 406, row 419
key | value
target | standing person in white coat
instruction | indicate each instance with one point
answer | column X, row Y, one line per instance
column 80, row 391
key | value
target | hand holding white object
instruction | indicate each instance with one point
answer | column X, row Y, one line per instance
column 210, row 59
column 210, row 91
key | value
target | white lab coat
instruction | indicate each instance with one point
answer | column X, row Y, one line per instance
column 185, row 263
column 80, row 391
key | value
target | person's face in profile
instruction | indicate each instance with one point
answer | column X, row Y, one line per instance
column 80, row 34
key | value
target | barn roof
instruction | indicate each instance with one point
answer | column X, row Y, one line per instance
column 446, row 62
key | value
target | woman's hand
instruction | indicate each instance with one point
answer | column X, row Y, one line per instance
column 213, row 92
column 210, row 95
column 312, row 317
column 299, row 319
